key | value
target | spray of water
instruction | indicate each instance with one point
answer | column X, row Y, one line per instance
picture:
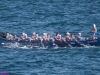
column 38, row 46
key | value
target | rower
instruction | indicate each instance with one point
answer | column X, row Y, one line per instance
column 37, row 37
column 73, row 37
column 9, row 36
column 94, row 31
column 44, row 36
column 16, row 38
column 23, row 37
column 34, row 33
column 58, row 36
column 49, row 37
column 13, row 38
column 80, row 38
column 68, row 38
column 33, row 36
column 27, row 38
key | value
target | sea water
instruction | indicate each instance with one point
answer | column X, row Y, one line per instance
column 49, row 16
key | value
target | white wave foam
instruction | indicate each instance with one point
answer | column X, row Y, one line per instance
column 21, row 46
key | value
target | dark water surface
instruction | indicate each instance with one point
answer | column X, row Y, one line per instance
column 17, row 16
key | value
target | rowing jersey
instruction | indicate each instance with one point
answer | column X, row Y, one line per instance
column 95, row 33
column 73, row 39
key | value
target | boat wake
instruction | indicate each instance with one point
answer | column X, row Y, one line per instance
column 35, row 46
column 26, row 46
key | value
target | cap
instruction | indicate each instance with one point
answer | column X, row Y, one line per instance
column 68, row 33
column 44, row 33
column 79, row 33
column 23, row 33
column 94, row 25
column 34, row 33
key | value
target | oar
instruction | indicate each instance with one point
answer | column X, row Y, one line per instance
column 83, row 45
column 69, row 45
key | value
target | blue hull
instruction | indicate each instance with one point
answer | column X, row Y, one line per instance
column 56, row 43
column 91, row 42
column 78, row 43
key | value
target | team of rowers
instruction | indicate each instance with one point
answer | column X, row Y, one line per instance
column 47, row 37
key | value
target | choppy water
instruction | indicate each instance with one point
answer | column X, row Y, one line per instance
column 17, row 16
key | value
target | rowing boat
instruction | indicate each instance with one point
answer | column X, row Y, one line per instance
column 59, row 43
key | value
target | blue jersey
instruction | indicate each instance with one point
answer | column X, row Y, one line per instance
column 27, row 38
column 50, row 39
column 95, row 34
column 73, row 39
column 39, row 38
column 81, row 39
column 9, row 37
column 35, row 37
column 16, row 39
